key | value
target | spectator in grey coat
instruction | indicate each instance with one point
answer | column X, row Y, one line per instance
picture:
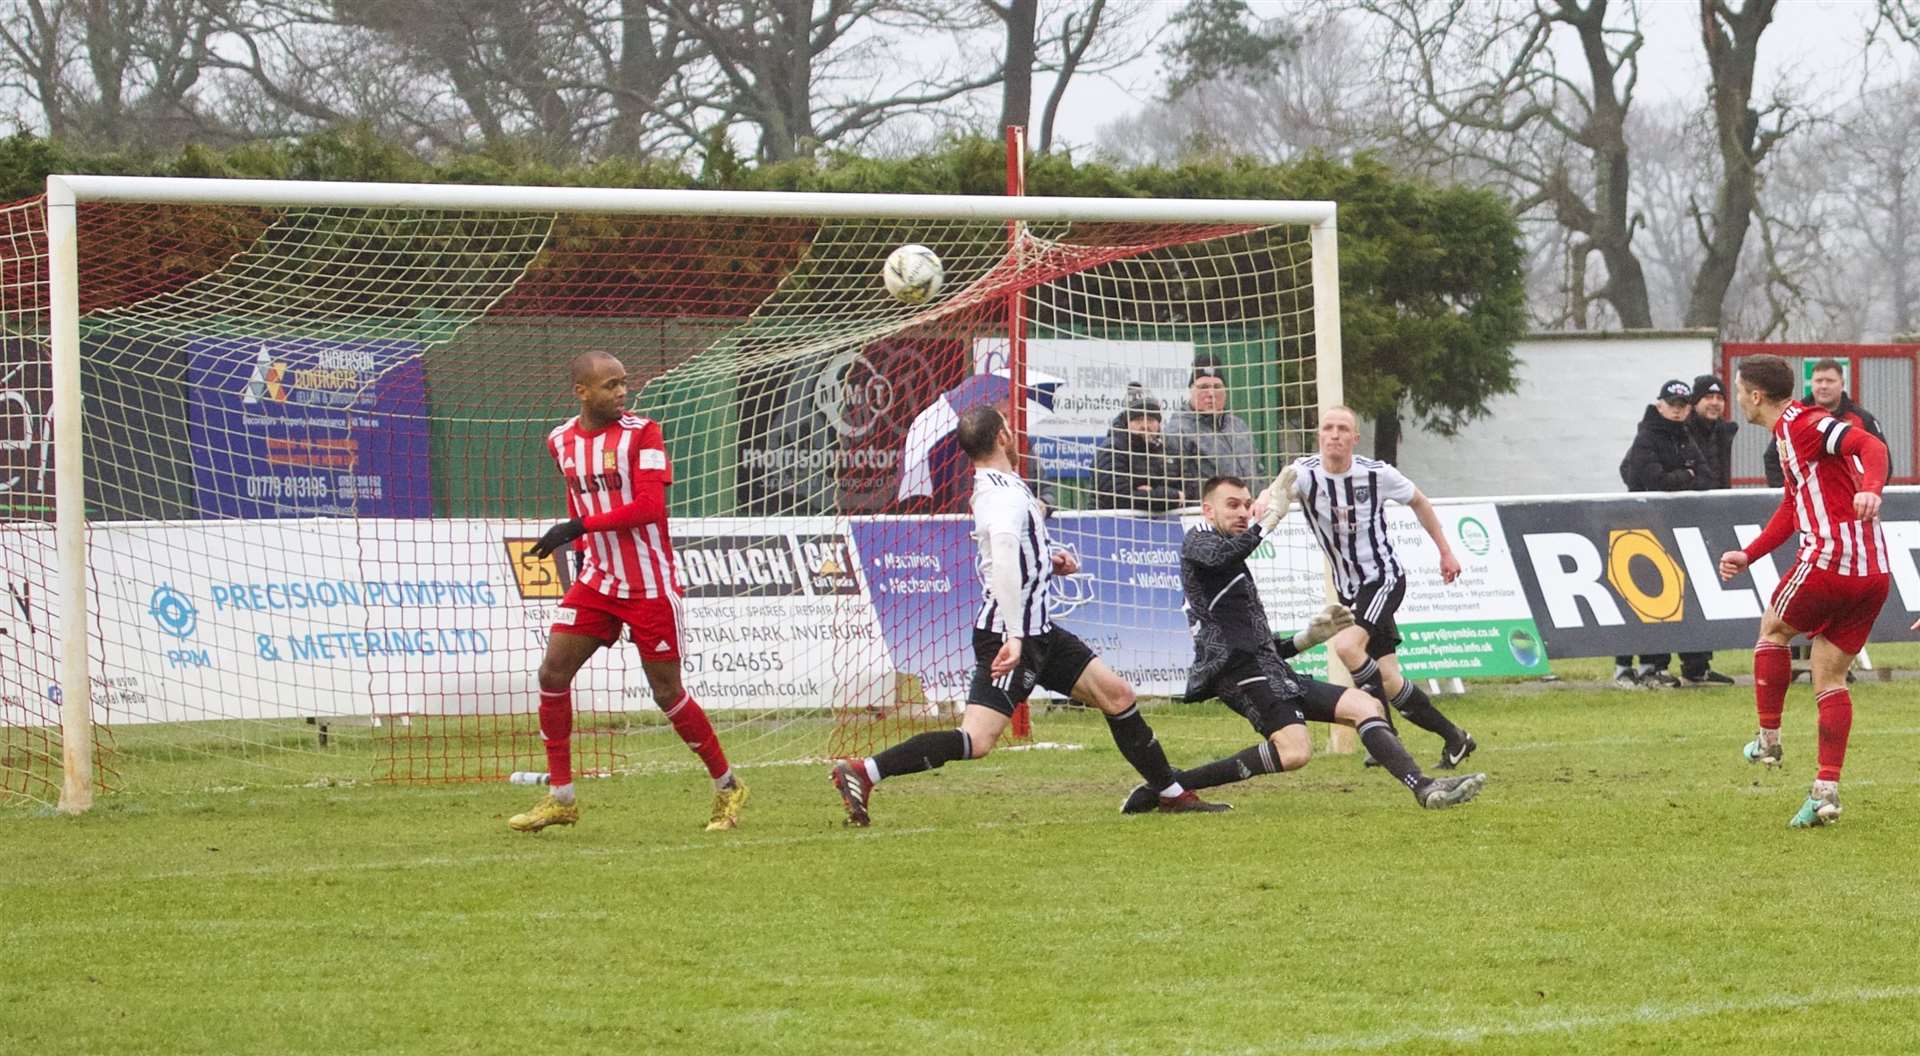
column 1209, row 439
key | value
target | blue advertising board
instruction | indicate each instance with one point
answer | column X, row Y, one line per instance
column 1124, row 601
column 303, row 427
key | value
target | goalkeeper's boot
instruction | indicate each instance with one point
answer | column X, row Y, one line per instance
column 1453, row 755
column 1142, row 800
column 1446, row 792
column 1759, row 751
column 850, row 777
column 726, row 806
column 1188, row 802
column 549, row 811
column 1821, row 808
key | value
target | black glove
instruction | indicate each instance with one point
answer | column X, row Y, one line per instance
column 558, row 536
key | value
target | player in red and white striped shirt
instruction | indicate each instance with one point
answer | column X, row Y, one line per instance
column 1840, row 575
column 617, row 471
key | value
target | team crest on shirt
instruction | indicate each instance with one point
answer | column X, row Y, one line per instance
column 1363, row 493
column 610, row 460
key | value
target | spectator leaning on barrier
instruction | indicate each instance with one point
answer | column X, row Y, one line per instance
column 1131, row 470
column 1663, row 458
column 1212, row 441
column 1713, row 434
column 1829, row 394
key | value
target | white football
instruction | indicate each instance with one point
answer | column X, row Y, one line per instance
column 913, row 274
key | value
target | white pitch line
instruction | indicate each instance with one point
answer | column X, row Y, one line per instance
column 1639, row 1015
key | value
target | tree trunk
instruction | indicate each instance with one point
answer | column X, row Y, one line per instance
column 787, row 131
column 1902, row 256
column 1386, row 436
column 1609, row 224
column 1733, row 41
column 1016, row 100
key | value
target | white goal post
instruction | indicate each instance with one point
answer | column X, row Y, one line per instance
column 66, row 232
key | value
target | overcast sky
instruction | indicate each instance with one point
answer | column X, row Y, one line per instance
column 1813, row 43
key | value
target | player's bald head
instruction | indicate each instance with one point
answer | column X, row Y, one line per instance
column 588, row 365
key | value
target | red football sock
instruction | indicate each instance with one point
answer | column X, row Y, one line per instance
column 1836, row 721
column 690, row 722
column 556, row 728
column 1772, row 673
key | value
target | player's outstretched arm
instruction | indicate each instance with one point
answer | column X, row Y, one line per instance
column 1423, row 511
column 1778, row 528
column 1218, row 550
column 1277, row 499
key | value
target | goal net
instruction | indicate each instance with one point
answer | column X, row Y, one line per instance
column 314, row 423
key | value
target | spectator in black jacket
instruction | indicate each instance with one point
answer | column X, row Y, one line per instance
column 1712, row 431
column 1131, row 470
column 1713, row 434
column 1663, row 458
column 1829, row 393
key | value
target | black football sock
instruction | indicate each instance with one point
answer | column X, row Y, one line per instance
column 1135, row 740
column 925, row 751
column 1413, row 702
column 1390, row 753
column 1366, row 677
column 1241, row 765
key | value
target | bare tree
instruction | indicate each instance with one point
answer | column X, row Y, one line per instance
column 804, row 76
column 1075, row 35
column 1321, row 97
column 1483, row 86
column 1021, row 18
column 1876, row 149
column 1743, row 136
column 120, row 73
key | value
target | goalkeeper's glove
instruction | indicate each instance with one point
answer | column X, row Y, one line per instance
column 558, row 536
column 1325, row 624
column 1278, row 497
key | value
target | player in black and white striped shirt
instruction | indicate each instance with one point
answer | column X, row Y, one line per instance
column 1016, row 645
column 1344, row 499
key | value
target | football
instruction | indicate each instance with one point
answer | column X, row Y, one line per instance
column 913, row 274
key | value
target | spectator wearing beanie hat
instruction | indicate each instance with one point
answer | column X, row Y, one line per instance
column 1209, row 440
column 1131, row 470
column 1712, row 430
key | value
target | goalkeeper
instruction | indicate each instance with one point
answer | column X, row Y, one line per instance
column 1238, row 659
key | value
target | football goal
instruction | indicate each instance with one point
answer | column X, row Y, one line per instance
column 275, row 458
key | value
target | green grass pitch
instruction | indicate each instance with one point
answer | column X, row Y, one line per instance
column 1625, row 884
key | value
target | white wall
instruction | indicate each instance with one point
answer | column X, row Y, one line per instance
column 1564, row 430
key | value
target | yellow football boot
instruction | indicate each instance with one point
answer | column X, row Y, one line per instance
column 726, row 807
column 549, row 811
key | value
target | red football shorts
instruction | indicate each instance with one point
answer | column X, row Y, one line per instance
column 655, row 622
column 1816, row 601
